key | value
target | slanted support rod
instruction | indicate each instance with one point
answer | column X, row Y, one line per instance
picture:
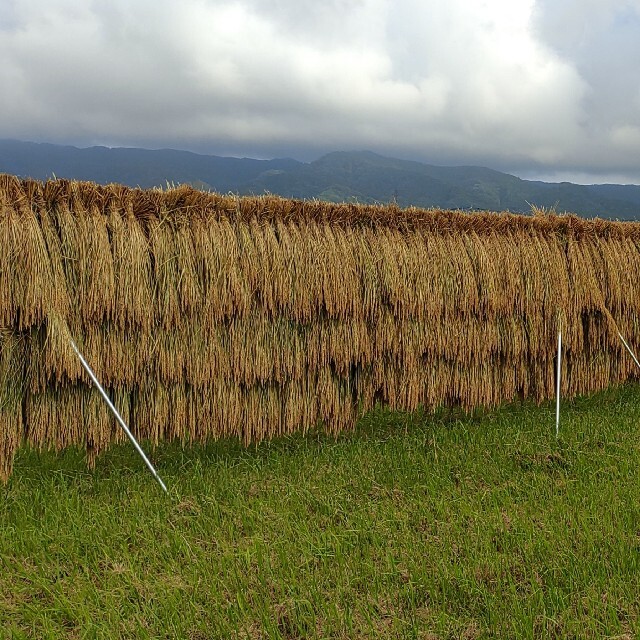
column 633, row 355
column 118, row 417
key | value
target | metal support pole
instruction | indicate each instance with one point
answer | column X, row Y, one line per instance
column 558, row 372
column 118, row 417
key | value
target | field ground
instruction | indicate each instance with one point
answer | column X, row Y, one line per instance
column 414, row 526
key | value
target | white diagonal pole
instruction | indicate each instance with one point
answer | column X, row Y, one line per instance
column 633, row 355
column 118, row 417
column 558, row 371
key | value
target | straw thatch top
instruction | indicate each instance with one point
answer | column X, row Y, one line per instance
column 145, row 204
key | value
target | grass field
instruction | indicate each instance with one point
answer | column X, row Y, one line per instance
column 411, row 527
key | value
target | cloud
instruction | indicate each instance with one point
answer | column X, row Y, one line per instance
column 601, row 38
column 514, row 84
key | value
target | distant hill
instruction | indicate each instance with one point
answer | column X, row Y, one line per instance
column 133, row 167
column 339, row 176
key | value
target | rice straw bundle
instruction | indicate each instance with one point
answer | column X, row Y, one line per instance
column 209, row 316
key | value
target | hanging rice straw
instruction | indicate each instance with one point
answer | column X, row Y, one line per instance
column 255, row 317
column 118, row 417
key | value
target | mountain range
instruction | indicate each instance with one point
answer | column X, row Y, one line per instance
column 337, row 177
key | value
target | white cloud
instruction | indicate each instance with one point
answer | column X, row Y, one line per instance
column 515, row 84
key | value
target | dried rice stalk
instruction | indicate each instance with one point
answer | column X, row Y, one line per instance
column 210, row 316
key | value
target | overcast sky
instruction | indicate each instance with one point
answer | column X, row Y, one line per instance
column 538, row 88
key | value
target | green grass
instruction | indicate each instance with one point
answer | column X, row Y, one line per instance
column 411, row 527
